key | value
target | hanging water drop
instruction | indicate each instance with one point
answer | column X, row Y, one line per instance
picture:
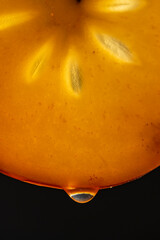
column 81, row 195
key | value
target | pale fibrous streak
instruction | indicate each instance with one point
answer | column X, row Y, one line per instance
column 37, row 61
column 73, row 76
column 115, row 48
column 115, row 5
column 13, row 19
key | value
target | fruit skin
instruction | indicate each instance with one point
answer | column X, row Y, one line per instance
column 99, row 133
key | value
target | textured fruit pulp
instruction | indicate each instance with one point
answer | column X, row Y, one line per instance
column 79, row 91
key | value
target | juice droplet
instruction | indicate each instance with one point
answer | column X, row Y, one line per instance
column 81, row 195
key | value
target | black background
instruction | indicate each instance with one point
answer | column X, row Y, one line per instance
column 130, row 211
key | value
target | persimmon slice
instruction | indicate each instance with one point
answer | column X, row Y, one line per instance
column 79, row 92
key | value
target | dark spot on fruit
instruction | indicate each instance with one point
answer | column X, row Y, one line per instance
column 151, row 137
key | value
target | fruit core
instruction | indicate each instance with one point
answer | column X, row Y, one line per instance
column 65, row 12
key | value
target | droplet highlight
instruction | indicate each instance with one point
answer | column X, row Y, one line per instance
column 81, row 195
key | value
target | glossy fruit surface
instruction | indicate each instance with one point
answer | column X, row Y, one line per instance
column 79, row 91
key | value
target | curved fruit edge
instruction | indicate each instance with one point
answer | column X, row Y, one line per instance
column 23, row 179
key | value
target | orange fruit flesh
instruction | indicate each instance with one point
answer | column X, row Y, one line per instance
column 79, row 91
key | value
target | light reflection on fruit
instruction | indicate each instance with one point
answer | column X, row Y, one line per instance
column 79, row 92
